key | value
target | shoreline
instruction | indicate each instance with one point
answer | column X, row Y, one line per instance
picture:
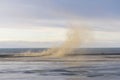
column 82, row 58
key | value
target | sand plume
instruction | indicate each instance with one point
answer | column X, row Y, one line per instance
column 76, row 36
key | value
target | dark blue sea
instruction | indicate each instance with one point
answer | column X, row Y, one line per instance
column 93, row 51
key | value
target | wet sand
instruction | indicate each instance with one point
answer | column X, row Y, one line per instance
column 92, row 67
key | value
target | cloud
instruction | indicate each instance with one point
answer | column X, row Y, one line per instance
column 104, row 36
column 46, row 21
column 55, row 13
column 24, row 44
column 41, row 34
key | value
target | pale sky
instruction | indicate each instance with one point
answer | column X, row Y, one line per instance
column 45, row 21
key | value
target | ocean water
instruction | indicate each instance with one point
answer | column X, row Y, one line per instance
column 84, row 67
column 77, row 51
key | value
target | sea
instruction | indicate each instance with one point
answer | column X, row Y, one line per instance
column 95, row 64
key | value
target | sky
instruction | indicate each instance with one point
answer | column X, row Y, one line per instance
column 26, row 22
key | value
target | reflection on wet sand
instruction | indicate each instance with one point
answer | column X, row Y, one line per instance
column 92, row 70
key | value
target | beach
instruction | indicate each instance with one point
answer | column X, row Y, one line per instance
column 68, row 68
